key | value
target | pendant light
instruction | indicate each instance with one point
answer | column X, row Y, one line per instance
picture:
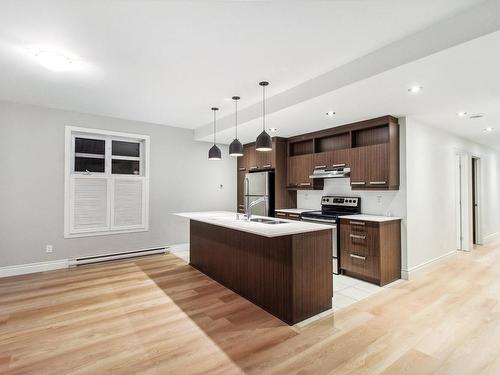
column 236, row 148
column 264, row 141
column 214, row 152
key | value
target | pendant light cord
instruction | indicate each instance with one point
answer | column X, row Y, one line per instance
column 264, row 108
column 236, row 118
column 214, row 127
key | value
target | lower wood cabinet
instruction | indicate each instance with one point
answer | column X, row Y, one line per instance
column 371, row 250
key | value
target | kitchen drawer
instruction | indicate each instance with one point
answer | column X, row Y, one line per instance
column 283, row 215
column 293, row 216
column 287, row 215
column 359, row 264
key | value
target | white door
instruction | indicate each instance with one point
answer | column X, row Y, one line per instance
column 458, row 200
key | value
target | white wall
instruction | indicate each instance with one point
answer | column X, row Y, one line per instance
column 431, row 191
column 32, row 184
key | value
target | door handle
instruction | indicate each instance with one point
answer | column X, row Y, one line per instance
column 356, row 223
column 319, row 166
column 357, row 256
column 358, row 183
column 266, row 166
column 242, row 169
column 305, row 184
column 357, row 236
column 378, row 182
column 338, row 165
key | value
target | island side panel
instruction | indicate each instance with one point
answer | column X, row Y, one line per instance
column 312, row 273
column 256, row 267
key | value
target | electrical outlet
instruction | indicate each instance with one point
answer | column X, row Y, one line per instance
column 379, row 199
column 48, row 248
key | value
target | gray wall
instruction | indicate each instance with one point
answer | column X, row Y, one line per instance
column 32, row 184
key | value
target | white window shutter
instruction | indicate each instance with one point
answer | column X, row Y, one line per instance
column 128, row 203
column 89, row 208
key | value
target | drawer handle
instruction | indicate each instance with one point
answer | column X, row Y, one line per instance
column 294, row 215
column 266, row 166
column 378, row 182
column 242, row 169
column 357, row 236
column 358, row 183
column 305, row 184
column 319, row 166
column 357, row 257
column 241, row 205
column 338, row 165
column 253, row 167
column 356, row 223
column 280, row 214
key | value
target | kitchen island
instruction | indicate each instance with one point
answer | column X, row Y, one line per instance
column 283, row 266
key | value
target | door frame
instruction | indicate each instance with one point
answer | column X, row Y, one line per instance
column 477, row 189
column 463, row 197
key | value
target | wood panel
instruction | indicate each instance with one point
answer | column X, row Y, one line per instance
column 370, row 136
column 158, row 315
column 279, row 274
column 299, row 169
column 333, row 142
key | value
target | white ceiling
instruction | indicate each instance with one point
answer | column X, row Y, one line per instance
column 168, row 62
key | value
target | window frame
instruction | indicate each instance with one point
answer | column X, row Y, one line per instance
column 72, row 132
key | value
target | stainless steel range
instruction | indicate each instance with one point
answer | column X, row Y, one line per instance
column 331, row 208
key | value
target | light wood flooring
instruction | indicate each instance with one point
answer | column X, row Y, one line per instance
column 157, row 315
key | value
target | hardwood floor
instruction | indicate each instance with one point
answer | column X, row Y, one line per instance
column 157, row 315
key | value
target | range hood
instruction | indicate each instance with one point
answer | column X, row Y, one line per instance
column 333, row 172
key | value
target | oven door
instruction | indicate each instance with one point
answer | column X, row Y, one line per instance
column 335, row 240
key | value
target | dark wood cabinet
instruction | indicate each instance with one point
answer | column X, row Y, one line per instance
column 371, row 250
column 332, row 159
column 300, row 168
column 370, row 168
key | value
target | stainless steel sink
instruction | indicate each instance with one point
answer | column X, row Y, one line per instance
column 267, row 221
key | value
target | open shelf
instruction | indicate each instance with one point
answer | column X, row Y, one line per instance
column 301, row 147
column 370, row 136
column 333, row 142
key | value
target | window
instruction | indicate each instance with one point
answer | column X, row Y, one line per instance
column 106, row 182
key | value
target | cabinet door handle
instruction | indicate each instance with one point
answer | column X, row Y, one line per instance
column 253, row 167
column 266, row 166
column 378, row 182
column 319, row 166
column 356, row 223
column 338, row 165
column 242, row 169
column 357, row 256
column 358, row 183
column 305, row 184
column 294, row 215
column 357, row 236
column 241, row 205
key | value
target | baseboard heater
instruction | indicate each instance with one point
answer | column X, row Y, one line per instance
column 116, row 256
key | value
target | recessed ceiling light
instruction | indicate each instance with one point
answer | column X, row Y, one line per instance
column 273, row 130
column 415, row 89
column 488, row 129
column 54, row 61
column 330, row 113
column 461, row 114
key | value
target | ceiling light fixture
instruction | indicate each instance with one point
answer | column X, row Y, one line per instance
column 214, row 152
column 476, row 116
column 273, row 130
column 330, row 113
column 461, row 113
column 488, row 129
column 236, row 148
column 54, row 61
column 264, row 141
column 415, row 89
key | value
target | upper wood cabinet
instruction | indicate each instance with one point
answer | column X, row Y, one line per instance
column 300, row 168
column 369, row 148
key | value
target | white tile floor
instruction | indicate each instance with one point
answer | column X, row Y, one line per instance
column 346, row 290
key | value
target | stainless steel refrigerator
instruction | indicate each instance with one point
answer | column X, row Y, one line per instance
column 258, row 185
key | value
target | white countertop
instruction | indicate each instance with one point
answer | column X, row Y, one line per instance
column 375, row 218
column 294, row 210
column 229, row 220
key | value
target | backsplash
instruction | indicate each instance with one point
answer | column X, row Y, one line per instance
column 390, row 202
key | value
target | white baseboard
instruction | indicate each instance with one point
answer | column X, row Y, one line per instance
column 22, row 269
column 412, row 272
column 491, row 237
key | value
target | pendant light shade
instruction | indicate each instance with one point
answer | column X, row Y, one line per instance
column 264, row 141
column 214, row 152
column 236, row 148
